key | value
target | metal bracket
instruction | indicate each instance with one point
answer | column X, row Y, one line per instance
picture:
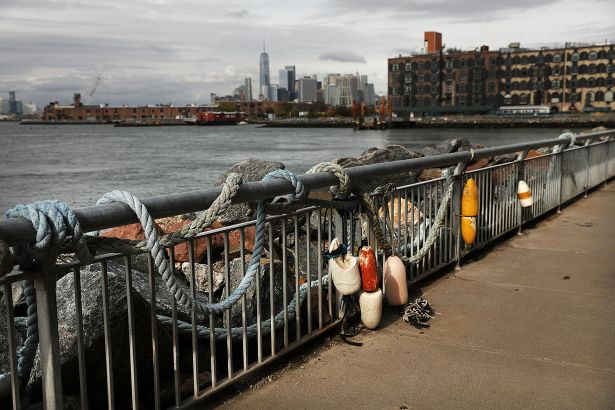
column 522, row 155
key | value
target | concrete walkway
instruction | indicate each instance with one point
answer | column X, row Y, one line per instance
column 531, row 324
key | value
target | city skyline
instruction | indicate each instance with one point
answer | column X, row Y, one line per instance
column 53, row 49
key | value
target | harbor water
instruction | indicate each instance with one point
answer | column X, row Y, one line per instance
column 79, row 163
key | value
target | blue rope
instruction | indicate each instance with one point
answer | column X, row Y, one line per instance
column 56, row 225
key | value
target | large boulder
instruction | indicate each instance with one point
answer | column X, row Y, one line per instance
column 382, row 155
column 448, row 146
column 236, row 274
column 250, row 170
column 94, row 341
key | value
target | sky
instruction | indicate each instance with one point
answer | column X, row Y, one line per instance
column 180, row 51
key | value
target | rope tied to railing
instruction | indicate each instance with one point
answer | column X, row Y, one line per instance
column 571, row 137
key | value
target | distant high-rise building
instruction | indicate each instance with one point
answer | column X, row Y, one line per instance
column 29, row 108
column 307, row 89
column 265, row 80
column 12, row 103
column 287, row 80
column 4, row 106
column 273, row 92
column 248, row 85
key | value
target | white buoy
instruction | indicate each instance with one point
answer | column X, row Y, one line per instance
column 344, row 271
column 371, row 308
column 524, row 194
column 395, row 284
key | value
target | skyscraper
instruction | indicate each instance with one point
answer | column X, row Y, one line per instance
column 264, row 72
column 248, row 84
column 287, row 80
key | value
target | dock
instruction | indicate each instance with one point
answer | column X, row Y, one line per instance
column 528, row 324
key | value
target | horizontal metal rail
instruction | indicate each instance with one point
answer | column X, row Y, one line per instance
column 19, row 231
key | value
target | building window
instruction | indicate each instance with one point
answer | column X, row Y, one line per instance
column 408, row 67
column 608, row 96
column 575, row 57
column 493, row 61
column 573, row 98
column 557, row 58
column 461, row 100
column 593, row 55
column 407, row 89
column 395, row 67
column 555, row 84
column 394, row 91
column 610, row 68
column 449, row 64
column 524, row 60
column 408, row 78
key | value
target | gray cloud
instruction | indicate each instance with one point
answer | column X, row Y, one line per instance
column 239, row 14
column 342, row 57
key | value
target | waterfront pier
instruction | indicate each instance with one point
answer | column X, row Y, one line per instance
column 526, row 324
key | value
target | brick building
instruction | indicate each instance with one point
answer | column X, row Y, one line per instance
column 572, row 79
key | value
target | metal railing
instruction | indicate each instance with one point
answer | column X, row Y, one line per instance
column 112, row 335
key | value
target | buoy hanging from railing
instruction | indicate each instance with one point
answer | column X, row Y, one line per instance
column 371, row 308
column 469, row 211
column 369, row 269
column 525, row 195
column 344, row 270
column 395, row 282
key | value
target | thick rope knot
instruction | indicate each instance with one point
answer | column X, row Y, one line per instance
column 287, row 175
column 344, row 188
column 56, row 226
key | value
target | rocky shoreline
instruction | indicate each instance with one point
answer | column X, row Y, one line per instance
column 293, row 251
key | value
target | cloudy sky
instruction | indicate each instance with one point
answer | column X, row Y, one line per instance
column 179, row 51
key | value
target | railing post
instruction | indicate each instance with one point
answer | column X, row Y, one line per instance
column 457, row 191
column 608, row 160
column 520, row 176
column 587, row 147
column 49, row 340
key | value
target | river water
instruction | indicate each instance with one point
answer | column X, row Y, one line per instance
column 79, row 163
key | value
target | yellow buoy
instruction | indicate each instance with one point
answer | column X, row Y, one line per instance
column 469, row 211
column 524, row 194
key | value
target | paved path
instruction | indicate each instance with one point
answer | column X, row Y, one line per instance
column 531, row 324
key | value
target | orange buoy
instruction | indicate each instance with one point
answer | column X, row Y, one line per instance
column 369, row 269
column 371, row 308
column 525, row 195
column 469, row 211
column 395, row 283
column 344, row 271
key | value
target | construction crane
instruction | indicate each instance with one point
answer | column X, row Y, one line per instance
column 92, row 90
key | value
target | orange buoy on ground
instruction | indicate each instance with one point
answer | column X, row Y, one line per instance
column 469, row 211
column 395, row 283
column 371, row 308
column 369, row 269
column 525, row 195
column 344, row 271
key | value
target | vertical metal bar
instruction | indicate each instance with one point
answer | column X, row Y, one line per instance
column 83, row 389
column 308, row 278
column 521, row 175
column 107, row 327
column 49, row 339
column 12, row 344
column 297, row 304
column 405, row 245
column 457, row 181
column 131, row 335
column 154, row 330
column 193, row 314
column 587, row 148
column 330, row 281
column 229, row 325
column 284, row 282
column 175, row 335
column 319, row 238
column 244, row 321
column 413, row 226
column 212, row 320
column 561, row 182
column 271, row 293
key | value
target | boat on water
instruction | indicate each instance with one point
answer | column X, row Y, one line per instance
column 220, row 118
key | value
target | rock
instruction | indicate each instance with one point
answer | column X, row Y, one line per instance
column 250, row 170
column 376, row 156
column 446, row 147
column 504, row 158
column 132, row 231
column 186, row 389
column 481, row 163
column 234, row 238
column 94, row 344
column 4, row 341
column 200, row 244
column 409, row 212
column 236, row 274
column 533, row 154
column 303, row 259
column 429, row 174
column 201, row 275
